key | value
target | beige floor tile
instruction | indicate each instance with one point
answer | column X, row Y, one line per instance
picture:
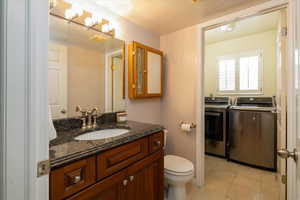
column 231, row 181
column 270, row 195
column 251, row 183
column 238, row 192
column 269, row 181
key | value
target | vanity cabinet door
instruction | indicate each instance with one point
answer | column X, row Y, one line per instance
column 146, row 178
column 156, row 142
column 72, row 178
column 111, row 188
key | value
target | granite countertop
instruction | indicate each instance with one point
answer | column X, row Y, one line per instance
column 65, row 149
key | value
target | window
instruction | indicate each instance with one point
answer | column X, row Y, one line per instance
column 227, row 75
column 240, row 74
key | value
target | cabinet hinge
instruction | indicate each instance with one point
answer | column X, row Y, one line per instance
column 43, row 168
column 284, row 31
column 283, row 179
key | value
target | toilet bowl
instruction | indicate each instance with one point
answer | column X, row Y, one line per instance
column 178, row 172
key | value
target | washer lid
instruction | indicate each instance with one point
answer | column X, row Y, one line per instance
column 178, row 164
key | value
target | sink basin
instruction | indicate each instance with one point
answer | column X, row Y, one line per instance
column 102, row 134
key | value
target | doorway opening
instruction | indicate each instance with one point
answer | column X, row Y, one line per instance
column 245, row 89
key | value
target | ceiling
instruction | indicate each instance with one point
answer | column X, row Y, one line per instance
column 165, row 16
column 245, row 27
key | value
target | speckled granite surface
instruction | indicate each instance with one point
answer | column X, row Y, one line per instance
column 65, row 149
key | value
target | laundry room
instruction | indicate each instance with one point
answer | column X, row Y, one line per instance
column 244, row 103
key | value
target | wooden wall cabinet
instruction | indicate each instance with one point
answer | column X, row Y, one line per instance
column 145, row 71
column 133, row 171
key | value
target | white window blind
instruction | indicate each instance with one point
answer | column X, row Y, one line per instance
column 249, row 73
column 226, row 74
column 240, row 74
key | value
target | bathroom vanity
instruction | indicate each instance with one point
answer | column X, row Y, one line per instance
column 126, row 167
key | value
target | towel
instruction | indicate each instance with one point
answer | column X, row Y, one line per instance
column 51, row 129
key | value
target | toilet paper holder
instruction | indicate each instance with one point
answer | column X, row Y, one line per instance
column 193, row 125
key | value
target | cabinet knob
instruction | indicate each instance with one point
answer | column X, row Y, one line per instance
column 131, row 178
column 125, row 182
column 158, row 143
column 76, row 179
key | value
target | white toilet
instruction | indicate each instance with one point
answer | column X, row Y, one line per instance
column 178, row 172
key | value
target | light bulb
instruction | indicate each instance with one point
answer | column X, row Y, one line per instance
column 105, row 28
column 96, row 19
column 77, row 9
column 89, row 22
column 110, row 27
column 70, row 14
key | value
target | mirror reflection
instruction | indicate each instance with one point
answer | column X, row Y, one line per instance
column 85, row 68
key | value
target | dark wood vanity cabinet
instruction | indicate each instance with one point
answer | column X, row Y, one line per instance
column 133, row 171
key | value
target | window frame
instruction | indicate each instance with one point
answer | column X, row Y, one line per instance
column 237, row 89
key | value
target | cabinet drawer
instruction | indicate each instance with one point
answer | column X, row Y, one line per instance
column 156, row 142
column 70, row 179
column 113, row 160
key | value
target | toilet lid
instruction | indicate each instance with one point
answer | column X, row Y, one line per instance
column 178, row 164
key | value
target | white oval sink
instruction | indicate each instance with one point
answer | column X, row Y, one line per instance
column 102, row 134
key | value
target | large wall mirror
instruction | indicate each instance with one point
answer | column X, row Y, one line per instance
column 86, row 68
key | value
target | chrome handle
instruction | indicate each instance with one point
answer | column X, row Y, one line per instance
column 131, row 178
column 76, row 179
column 285, row 154
column 125, row 182
column 63, row 111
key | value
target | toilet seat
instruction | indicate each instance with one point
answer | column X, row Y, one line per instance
column 176, row 165
column 179, row 174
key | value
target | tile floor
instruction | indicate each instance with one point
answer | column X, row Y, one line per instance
column 230, row 181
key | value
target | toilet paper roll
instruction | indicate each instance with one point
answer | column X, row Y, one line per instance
column 186, row 127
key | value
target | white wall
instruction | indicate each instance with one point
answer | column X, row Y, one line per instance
column 86, row 79
column 145, row 110
column 266, row 42
column 181, row 51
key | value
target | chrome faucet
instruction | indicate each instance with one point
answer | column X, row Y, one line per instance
column 89, row 116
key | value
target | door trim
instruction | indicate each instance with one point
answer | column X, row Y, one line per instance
column 24, row 120
column 2, row 100
column 108, row 97
column 291, row 126
column 200, row 135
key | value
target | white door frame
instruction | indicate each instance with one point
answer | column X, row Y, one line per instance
column 200, row 135
column 291, row 109
column 107, row 78
column 24, row 99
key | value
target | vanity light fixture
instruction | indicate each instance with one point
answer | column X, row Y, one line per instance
column 105, row 28
column 93, row 21
column 75, row 11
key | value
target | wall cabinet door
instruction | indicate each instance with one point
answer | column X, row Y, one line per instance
column 145, row 71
